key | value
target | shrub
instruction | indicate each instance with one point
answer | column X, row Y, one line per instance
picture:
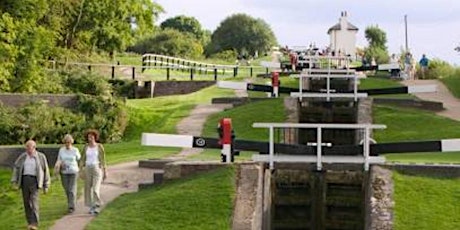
column 437, row 69
column 87, row 83
column 227, row 55
column 47, row 124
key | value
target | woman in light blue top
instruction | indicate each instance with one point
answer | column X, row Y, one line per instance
column 67, row 165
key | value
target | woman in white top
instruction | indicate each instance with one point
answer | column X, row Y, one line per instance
column 93, row 159
column 67, row 165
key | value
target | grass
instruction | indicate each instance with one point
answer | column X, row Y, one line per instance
column 423, row 203
column 146, row 115
column 244, row 116
column 411, row 125
column 53, row 205
column 199, row 202
column 159, row 115
column 453, row 84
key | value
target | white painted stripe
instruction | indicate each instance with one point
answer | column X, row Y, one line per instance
column 167, row 140
column 313, row 159
column 269, row 64
column 347, row 76
column 232, row 85
column 422, row 89
column 389, row 66
column 450, row 145
column 350, row 71
column 324, row 95
column 313, row 125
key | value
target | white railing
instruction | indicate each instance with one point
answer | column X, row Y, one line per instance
column 173, row 60
column 366, row 159
column 328, row 74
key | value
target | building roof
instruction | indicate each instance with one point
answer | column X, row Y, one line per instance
column 338, row 27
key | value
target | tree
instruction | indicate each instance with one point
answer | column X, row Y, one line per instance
column 377, row 45
column 184, row 24
column 242, row 33
column 170, row 42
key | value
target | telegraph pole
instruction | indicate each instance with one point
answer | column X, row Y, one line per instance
column 405, row 26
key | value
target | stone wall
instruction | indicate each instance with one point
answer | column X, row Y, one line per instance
column 364, row 116
column 412, row 103
column 379, row 200
column 427, row 170
column 165, row 88
column 17, row 100
column 9, row 154
column 247, row 191
column 180, row 169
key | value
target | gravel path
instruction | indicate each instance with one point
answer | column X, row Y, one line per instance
column 451, row 103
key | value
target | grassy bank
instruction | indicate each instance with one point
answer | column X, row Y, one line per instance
column 200, row 202
column 53, row 205
column 423, row 203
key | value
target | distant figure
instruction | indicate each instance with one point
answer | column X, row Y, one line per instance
column 408, row 62
column 394, row 60
column 276, row 54
column 31, row 173
column 373, row 62
column 293, row 60
column 424, row 61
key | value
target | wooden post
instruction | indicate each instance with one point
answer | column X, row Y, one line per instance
column 89, row 68
column 134, row 72
column 191, row 73
column 215, row 74
column 113, row 72
column 167, row 73
column 235, row 71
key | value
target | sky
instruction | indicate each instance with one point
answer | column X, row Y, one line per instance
column 433, row 25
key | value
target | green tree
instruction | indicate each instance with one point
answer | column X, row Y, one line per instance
column 242, row 33
column 184, row 24
column 8, row 50
column 377, row 49
column 170, row 42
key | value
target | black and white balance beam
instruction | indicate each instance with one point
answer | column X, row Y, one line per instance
column 287, row 90
column 188, row 141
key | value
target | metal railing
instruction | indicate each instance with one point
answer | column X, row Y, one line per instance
column 319, row 158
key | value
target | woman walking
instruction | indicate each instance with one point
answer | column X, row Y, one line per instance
column 67, row 165
column 93, row 160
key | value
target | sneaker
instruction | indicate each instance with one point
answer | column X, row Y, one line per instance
column 92, row 210
column 71, row 210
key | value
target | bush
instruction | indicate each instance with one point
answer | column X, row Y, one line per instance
column 47, row 124
column 437, row 69
column 172, row 43
column 123, row 88
column 87, row 83
column 227, row 55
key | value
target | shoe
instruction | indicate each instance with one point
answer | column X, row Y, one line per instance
column 32, row 227
column 71, row 210
column 92, row 210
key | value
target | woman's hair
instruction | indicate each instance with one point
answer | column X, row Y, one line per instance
column 93, row 132
column 67, row 137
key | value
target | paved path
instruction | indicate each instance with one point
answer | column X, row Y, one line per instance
column 125, row 177
column 193, row 124
column 451, row 103
column 122, row 178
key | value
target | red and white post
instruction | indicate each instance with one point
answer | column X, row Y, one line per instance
column 275, row 83
column 225, row 135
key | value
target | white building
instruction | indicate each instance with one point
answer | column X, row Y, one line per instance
column 343, row 36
